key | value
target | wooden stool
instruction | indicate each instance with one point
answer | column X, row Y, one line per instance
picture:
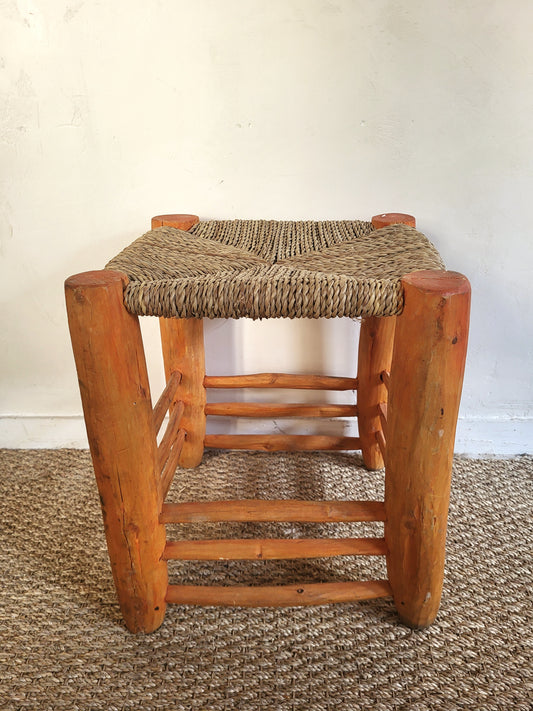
column 411, row 360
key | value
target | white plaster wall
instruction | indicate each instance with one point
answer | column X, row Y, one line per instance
column 114, row 111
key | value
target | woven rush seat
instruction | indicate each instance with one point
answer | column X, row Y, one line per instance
column 268, row 269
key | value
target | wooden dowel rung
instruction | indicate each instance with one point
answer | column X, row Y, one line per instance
column 285, row 510
column 281, row 380
column 169, row 469
column 272, row 548
column 162, row 405
column 282, row 443
column 382, row 410
column 268, row 410
column 278, row 595
column 385, row 378
column 170, row 433
column 382, row 444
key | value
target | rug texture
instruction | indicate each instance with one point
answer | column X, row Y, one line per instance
column 63, row 644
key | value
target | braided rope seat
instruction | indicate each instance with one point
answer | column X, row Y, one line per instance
column 268, row 269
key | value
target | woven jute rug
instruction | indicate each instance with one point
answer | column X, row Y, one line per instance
column 63, row 644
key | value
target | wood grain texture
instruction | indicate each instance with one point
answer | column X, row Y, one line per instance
column 171, row 432
column 269, row 410
column 382, row 411
column 281, row 510
column 272, row 548
column 113, row 381
column 375, row 354
column 382, row 444
column 282, row 443
column 425, row 390
column 183, row 350
column 281, row 380
column 278, row 595
column 169, row 470
column 166, row 398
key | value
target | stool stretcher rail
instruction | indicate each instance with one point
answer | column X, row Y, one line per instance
column 272, row 548
column 382, row 443
column 284, row 510
column 167, row 396
column 278, row 595
column 169, row 470
column 283, row 443
column 281, row 380
column 170, row 433
column 268, row 410
column 382, row 410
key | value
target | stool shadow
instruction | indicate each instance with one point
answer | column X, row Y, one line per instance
column 259, row 475
column 55, row 538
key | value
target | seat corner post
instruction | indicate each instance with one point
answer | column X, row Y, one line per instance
column 115, row 393
column 375, row 354
column 178, row 221
column 425, row 390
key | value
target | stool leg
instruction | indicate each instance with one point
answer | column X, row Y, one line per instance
column 183, row 350
column 115, row 393
column 425, row 390
column 375, row 355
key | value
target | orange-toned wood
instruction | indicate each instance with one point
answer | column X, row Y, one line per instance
column 113, row 380
column 278, row 595
column 385, row 378
column 382, row 444
column 268, row 410
column 282, row 443
column 183, row 350
column 171, row 433
column 166, row 398
column 281, row 380
column 375, row 354
column 284, row 510
column 180, row 222
column 169, row 470
column 272, row 548
column 426, row 380
column 393, row 218
column 382, row 410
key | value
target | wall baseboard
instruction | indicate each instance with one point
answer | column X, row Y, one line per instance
column 42, row 432
column 494, row 436
column 476, row 436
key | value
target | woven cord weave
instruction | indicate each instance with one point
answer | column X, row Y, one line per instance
column 268, row 269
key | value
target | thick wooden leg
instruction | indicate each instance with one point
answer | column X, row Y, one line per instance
column 375, row 355
column 183, row 350
column 109, row 357
column 425, row 389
